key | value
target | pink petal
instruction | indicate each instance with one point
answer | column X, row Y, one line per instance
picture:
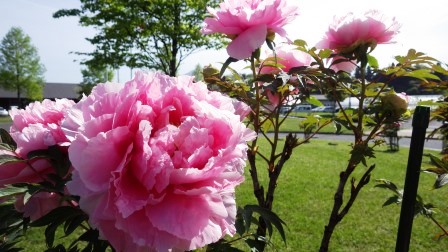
column 247, row 42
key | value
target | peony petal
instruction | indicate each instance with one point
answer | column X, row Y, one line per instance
column 247, row 42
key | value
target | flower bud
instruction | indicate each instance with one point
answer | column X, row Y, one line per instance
column 395, row 104
column 210, row 74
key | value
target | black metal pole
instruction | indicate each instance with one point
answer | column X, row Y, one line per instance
column 419, row 125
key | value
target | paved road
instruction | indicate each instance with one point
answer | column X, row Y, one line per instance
column 405, row 140
column 431, row 144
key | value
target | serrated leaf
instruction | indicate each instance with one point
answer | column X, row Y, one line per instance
column 371, row 93
column 314, row 101
column 422, row 74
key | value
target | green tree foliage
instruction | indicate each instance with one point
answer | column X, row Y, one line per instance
column 92, row 76
column 20, row 67
column 197, row 73
column 153, row 34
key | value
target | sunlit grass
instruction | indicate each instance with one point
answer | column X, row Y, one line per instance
column 304, row 198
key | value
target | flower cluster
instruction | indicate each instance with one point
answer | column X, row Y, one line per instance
column 153, row 163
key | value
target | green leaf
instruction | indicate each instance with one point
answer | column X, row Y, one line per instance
column 441, row 181
column 11, row 191
column 222, row 246
column 438, row 162
column 428, row 103
column 5, row 159
column 373, row 62
column 226, row 64
column 394, row 199
column 7, row 139
column 384, row 183
column 63, row 212
column 267, row 124
column 300, row 42
column 72, row 224
column 314, row 101
column 435, row 170
column 270, row 44
column 422, row 74
column 325, row 53
column 269, row 217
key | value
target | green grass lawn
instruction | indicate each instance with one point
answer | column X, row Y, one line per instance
column 5, row 119
column 304, row 199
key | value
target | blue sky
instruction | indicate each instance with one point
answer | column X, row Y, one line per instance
column 424, row 27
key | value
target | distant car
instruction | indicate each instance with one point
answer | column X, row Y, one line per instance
column 302, row 108
column 3, row 112
column 328, row 109
column 318, row 109
column 323, row 109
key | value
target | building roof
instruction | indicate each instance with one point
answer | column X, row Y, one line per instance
column 51, row 91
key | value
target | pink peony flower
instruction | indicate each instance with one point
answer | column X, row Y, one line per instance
column 249, row 23
column 288, row 58
column 34, row 128
column 156, row 162
column 343, row 65
column 350, row 32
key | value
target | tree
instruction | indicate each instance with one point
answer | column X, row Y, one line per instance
column 20, row 67
column 153, row 34
column 92, row 76
column 197, row 72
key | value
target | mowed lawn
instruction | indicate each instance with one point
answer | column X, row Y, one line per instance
column 304, row 199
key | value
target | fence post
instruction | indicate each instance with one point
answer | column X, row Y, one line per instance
column 420, row 123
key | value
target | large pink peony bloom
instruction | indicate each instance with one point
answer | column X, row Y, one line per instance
column 249, row 23
column 34, row 128
column 350, row 32
column 156, row 162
